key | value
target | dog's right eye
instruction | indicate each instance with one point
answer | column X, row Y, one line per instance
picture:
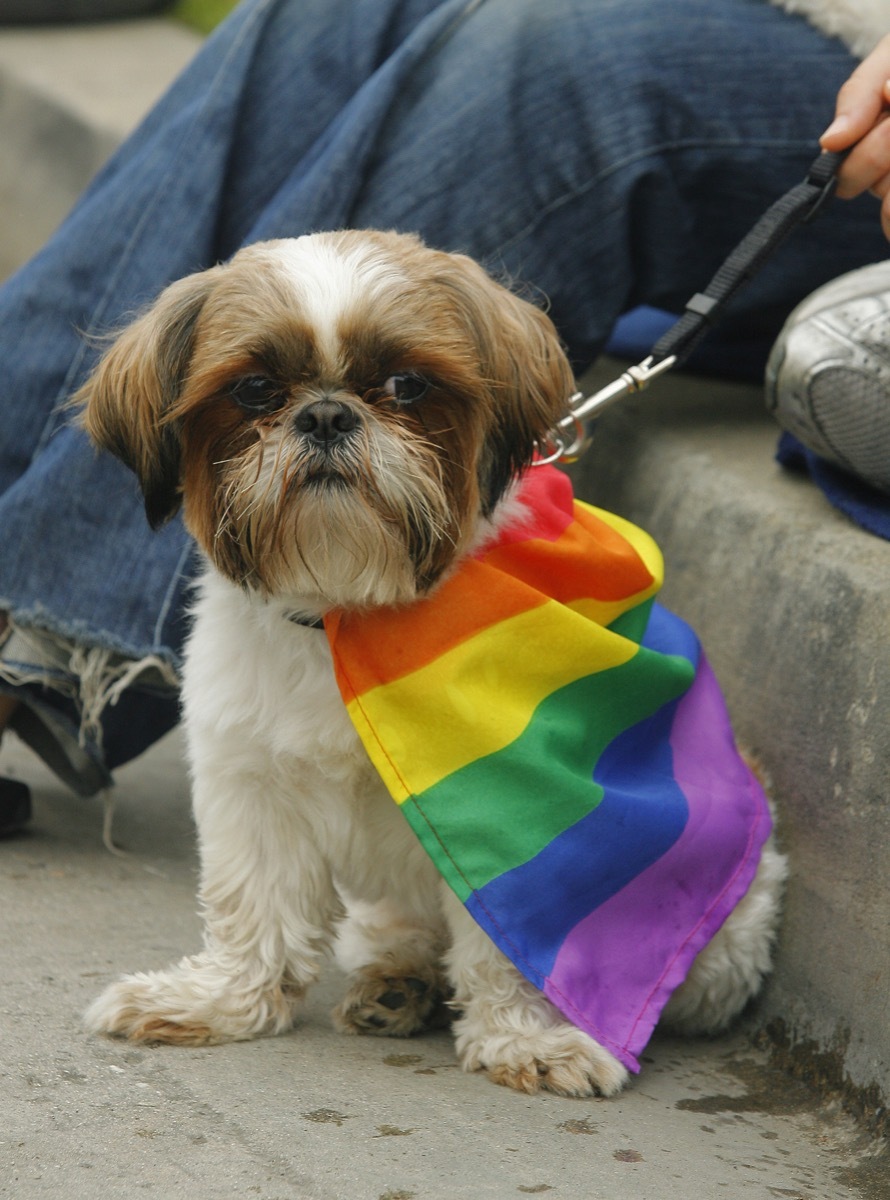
column 405, row 388
column 257, row 394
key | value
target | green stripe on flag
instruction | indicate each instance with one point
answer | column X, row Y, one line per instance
column 494, row 814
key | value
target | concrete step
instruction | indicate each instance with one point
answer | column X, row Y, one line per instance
column 791, row 600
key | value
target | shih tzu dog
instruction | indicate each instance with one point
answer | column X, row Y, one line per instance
column 341, row 417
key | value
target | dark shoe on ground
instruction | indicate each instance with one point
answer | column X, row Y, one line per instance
column 15, row 806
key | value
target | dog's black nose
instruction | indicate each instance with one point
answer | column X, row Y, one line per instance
column 326, row 421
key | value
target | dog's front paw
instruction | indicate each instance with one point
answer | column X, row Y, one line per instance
column 562, row 1060
column 137, row 1008
column 192, row 1004
column 392, row 1004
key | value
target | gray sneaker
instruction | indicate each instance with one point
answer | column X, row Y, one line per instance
column 828, row 376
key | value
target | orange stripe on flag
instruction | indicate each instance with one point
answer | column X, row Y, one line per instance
column 591, row 559
column 599, row 565
column 407, row 639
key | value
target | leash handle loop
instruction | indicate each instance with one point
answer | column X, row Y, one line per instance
column 823, row 175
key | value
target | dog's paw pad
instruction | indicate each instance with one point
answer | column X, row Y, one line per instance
column 392, row 1005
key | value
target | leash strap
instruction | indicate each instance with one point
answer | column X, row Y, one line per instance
column 798, row 206
column 802, row 204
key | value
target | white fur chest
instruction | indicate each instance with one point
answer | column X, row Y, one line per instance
column 254, row 676
column 269, row 737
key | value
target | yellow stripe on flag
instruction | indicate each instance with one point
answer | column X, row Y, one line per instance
column 478, row 682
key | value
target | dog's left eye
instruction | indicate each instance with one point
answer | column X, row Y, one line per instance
column 257, row 394
column 405, row 389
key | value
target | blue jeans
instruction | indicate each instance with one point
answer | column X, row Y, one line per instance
column 601, row 153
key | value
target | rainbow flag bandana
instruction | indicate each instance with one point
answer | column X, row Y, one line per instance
column 561, row 749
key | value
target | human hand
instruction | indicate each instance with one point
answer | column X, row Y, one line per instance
column 863, row 106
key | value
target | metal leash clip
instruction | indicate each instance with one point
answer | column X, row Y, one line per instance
column 570, row 437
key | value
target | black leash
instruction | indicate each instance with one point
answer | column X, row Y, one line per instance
column 800, row 205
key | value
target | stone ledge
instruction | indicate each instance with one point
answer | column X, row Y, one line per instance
column 793, row 606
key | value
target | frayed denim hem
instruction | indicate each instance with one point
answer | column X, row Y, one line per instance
column 65, row 689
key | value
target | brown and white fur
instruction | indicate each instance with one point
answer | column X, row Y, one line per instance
column 341, row 417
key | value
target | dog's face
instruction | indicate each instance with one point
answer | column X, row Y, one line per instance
column 336, row 412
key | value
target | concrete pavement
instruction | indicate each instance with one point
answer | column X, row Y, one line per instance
column 314, row 1115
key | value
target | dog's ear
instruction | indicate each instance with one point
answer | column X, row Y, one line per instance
column 533, row 382
column 125, row 404
column 525, row 368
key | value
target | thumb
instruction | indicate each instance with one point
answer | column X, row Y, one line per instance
column 861, row 100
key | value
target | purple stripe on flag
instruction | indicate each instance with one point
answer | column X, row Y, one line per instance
column 652, row 929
